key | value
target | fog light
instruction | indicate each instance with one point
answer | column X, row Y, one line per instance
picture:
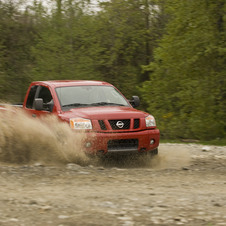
column 142, row 149
column 152, row 142
column 88, row 144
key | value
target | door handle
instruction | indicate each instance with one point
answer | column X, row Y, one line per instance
column 34, row 115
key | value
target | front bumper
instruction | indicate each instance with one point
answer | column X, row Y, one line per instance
column 100, row 142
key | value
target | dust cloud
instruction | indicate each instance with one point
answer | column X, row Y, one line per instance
column 171, row 157
column 25, row 140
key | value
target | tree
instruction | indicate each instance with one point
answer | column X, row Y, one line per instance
column 188, row 83
column 69, row 41
column 15, row 40
column 128, row 33
column 62, row 48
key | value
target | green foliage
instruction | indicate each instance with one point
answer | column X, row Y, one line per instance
column 187, row 87
column 68, row 41
column 176, row 49
column 61, row 50
column 109, row 45
column 15, row 40
column 128, row 33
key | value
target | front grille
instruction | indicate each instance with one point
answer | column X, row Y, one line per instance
column 102, row 125
column 123, row 144
column 124, row 122
column 136, row 123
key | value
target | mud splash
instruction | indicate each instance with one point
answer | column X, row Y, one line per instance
column 27, row 140
column 171, row 157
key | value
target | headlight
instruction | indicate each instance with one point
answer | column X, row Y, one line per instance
column 80, row 123
column 150, row 121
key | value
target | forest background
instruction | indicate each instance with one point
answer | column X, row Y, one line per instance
column 172, row 53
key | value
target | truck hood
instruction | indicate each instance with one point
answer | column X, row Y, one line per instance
column 101, row 113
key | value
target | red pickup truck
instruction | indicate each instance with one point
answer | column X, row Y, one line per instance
column 110, row 121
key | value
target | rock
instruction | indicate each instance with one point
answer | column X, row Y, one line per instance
column 216, row 216
column 108, row 204
column 156, row 214
column 184, row 220
column 25, row 166
column 201, row 213
column 177, row 218
column 185, row 168
column 38, row 164
column 206, row 148
column 163, row 206
column 111, row 212
column 100, row 168
column 155, row 221
column 128, row 223
column 217, row 204
column 46, row 208
column 200, row 218
column 33, row 202
column 82, row 172
column 14, row 219
column 125, row 218
column 63, row 217
column 115, row 168
column 149, row 210
column 73, row 166
column 41, row 200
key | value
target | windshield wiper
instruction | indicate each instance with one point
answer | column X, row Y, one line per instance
column 93, row 104
column 106, row 103
column 74, row 105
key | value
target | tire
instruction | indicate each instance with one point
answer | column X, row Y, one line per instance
column 153, row 153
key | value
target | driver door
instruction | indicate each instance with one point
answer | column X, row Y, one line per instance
column 38, row 92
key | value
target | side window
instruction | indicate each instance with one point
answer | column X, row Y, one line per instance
column 45, row 94
column 31, row 96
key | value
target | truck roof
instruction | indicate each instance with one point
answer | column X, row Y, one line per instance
column 60, row 83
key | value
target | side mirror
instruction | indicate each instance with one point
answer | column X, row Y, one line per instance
column 38, row 104
column 135, row 102
column 50, row 105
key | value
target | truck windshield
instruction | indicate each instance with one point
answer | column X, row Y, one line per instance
column 88, row 96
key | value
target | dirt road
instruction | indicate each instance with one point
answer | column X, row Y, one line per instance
column 182, row 186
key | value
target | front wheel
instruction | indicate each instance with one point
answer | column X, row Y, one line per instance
column 153, row 153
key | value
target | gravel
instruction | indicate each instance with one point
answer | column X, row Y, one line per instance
column 184, row 185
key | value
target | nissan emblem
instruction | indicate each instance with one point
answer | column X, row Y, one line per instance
column 120, row 124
